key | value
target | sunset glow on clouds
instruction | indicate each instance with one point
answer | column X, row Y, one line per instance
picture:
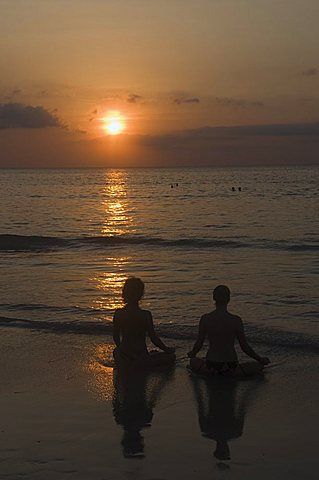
column 168, row 69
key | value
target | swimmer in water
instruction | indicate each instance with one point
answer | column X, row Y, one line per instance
column 131, row 325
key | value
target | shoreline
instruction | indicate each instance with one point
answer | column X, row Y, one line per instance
column 65, row 415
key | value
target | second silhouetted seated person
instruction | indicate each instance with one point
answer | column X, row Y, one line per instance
column 222, row 329
column 131, row 326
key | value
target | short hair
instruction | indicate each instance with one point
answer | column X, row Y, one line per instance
column 221, row 294
column 133, row 290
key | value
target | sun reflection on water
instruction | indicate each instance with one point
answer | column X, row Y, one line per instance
column 109, row 283
column 111, row 275
column 116, row 204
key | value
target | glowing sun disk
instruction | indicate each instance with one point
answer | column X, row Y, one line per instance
column 113, row 126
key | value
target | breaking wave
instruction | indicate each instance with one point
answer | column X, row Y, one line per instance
column 22, row 243
column 268, row 336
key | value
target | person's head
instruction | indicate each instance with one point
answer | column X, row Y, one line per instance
column 133, row 290
column 221, row 295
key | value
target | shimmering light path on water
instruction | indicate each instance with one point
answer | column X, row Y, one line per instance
column 182, row 230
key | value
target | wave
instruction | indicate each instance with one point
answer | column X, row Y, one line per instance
column 271, row 337
column 71, row 309
column 20, row 243
column 31, row 242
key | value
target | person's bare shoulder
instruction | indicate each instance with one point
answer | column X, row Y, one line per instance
column 146, row 313
column 206, row 317
column 118, row 316
column 235, row 318
column 118, row 312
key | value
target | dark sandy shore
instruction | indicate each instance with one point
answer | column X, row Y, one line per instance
column 64, row 416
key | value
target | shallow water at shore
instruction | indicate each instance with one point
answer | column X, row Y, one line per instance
column 69, row 238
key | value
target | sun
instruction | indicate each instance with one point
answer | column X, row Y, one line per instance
column 115, row 127
column 113, row 124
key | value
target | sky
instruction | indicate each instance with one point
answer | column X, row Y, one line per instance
column 188, row 82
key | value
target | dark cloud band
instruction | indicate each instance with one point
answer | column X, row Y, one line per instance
column 206, row 135
column 238, row 102
column 134, row 98
column 17, row 115
column 179, row 101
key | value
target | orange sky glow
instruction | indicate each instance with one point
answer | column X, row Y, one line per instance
column 140, row 83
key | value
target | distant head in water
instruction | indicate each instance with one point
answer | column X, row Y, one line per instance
column 133, row 290
column 221, row 295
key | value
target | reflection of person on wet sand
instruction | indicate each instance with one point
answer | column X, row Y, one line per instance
column 222, row 329
column 135, row 397
column 131, row 324
column 222, row 405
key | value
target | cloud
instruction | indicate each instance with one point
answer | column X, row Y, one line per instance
column 206, row 136
column 180, row 101
column 93, row 114
column 18, row 115
column 238, row 102
column 226, row 101
column 237, row 145
column 310, row 72
column 134, row 98
column 9, row 95
column 290, row 129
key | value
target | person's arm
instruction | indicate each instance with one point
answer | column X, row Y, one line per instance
column 246, row 348
column 200, row 339
column 155, row 338
column 116, row 330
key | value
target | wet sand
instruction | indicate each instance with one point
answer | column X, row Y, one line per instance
column 64, row 416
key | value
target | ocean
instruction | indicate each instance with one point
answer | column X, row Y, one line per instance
column 69, row 239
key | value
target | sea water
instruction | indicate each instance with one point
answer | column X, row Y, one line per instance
column 69, row 239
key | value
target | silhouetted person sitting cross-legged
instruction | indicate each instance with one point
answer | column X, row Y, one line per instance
column 131, row 325
column 222, row 329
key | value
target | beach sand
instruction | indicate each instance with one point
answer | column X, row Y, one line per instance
column 64, row 416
